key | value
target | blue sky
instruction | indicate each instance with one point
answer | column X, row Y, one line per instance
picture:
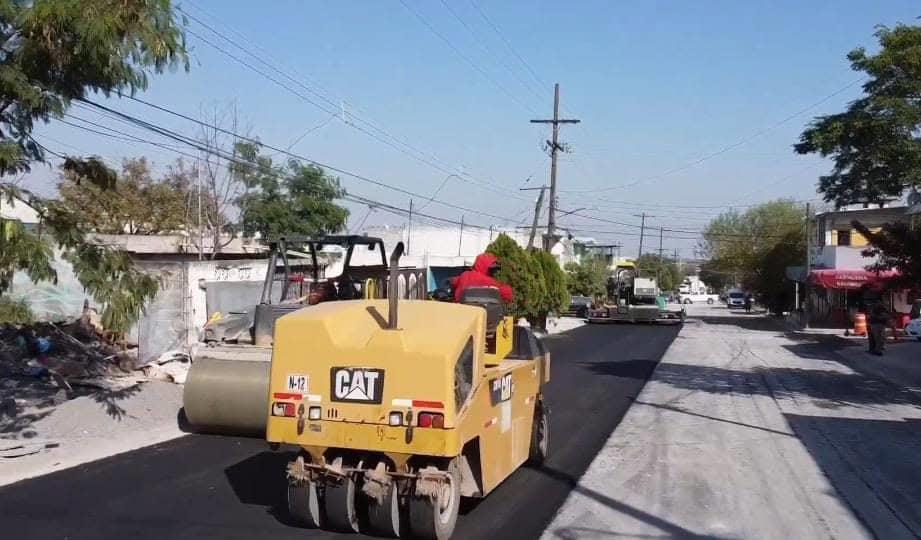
column 659, row 86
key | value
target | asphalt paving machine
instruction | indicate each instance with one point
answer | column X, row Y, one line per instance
column 632, row 298
column 228, row 384
column 401, row 408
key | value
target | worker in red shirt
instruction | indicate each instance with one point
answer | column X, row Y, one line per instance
column 482, row 274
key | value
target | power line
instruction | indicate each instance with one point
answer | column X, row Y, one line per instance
column 381, row 135
column 348, row 196
column 465, row 58
column 508, row 44
column 489, row 51
column 727, row 148
column 188, row 141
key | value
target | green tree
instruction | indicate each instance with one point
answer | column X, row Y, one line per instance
column 713, row 277
column 757, row 246
column 523, row 274
column 898, row 247
column 293, row 199
column 136, row 204
column 588, row 278
column 666, row 272
column 56, row 52
column 875, row 143
column 555, row 293
column 535, row 276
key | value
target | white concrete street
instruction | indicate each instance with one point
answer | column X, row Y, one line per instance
column 746, row 431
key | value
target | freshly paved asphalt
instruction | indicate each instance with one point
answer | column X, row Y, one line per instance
column 203, row 486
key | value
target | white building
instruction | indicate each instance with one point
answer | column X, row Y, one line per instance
column 18, row 210
column 428, row 246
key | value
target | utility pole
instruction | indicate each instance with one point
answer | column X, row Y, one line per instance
column 540, row 202
column 409, row 233
column 460, row 240
column 554, row 150
column 808, row 262
column 201, row 234
column 642, row 233
column 661, row 256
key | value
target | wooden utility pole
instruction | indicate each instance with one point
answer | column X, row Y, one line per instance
column 806, row 304
column 460, row 241
column 201, row 233
column 540, row 202
column 409, row 233
column 661, row 252
column 642, row 233
column 554, row 150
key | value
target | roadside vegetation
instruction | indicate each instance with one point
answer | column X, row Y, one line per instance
column 875, row 144
column 538, row 281
column 754, row 248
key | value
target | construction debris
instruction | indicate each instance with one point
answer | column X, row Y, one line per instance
column 45, row 364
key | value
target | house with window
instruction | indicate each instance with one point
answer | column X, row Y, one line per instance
column 840, row 283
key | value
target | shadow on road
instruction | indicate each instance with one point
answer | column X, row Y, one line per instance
column 42, row 399
column 682, row 410
column 757, row 322
column 874, row 466
column 259, row 480
column 669, row 529
column 631, row 369
column 819, row 384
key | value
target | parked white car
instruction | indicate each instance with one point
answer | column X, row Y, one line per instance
column 700, row 298
column 914, row 329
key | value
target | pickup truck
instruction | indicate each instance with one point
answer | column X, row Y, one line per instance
column 698, row 298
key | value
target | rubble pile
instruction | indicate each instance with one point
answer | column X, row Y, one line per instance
column 45, row 364
column 64, row 353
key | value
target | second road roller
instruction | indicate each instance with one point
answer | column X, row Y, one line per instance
column 401, row 408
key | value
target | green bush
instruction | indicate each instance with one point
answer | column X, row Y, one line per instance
column 537, row 280
column 556, row 295
column 15, row 311
column 523, row 274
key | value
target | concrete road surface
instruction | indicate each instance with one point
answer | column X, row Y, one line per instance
column 747, row 431
column 218, row 487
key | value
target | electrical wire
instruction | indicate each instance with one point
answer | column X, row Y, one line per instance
column 381, row 136
column 186, row 140
column 489, row 51
column 508, row 44
column 726, row 148
column 465, row 58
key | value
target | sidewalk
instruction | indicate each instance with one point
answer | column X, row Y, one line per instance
column 746, row 431
column 48, row 439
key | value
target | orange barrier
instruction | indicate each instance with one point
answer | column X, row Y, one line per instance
column 860, row 324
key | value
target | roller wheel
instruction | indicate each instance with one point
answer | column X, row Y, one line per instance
column 385, row 517
column 434, row 518
column 304, row 503
column 540, row 436
column 339, row 503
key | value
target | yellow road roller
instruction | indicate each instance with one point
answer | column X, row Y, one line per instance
column 400, row 408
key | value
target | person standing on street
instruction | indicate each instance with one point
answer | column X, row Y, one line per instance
column 748, row 303
column 878, row 321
